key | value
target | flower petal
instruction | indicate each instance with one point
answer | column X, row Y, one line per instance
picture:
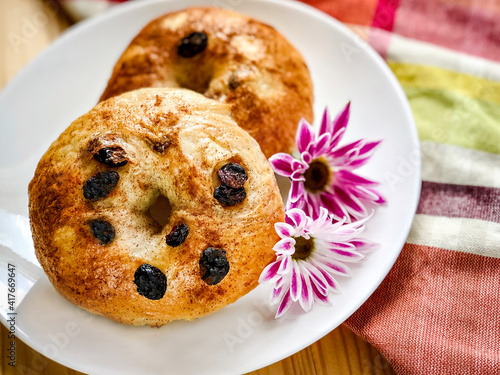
column 306, row 156
column 297, row 176
column 346, row 246
column 334, row 206
column 329, row 278
column 321, row 224
column 285, row 266
column 305, row 135
column 359, row 162
column 362, row 244
column 285, row 246
column 283, row 281
column 332, row 283
column 323, row 217
column 368, row 194
column 307, row 206
column 313, row 205
column 306, row 299
column 326, row 126
column 284, row 230
column 347, row 151
column 321, row 146
column 298, row 165
column 365, row 194
column 349, row 177
column 381, row 199
column 331, row 265
column 319, row 297
column 270, row 272
column 275, row 295
column 296, row 191
column 338, row 267
column 342, row 119
column 352, row 204
column 280, row 289
column 285, row 304
column 317, row 278
column 346, row 232
column 369, row 147
column 296, row 283
column 298, row 217
column 282, row 164
column 344, row 254
column 291, row 205
column 336, row 138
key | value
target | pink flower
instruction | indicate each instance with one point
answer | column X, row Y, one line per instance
column 309, row 255
column 323, row 175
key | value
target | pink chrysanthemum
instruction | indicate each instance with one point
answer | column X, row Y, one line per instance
column 309, row 255
column 323, row 175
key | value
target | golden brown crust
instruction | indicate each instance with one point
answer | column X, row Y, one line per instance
column 199, row 136
column 247, row 64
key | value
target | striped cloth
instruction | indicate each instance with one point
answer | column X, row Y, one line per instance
column 438, row 310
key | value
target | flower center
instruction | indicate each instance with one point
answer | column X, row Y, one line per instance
column 303, row 247
column 317, row 176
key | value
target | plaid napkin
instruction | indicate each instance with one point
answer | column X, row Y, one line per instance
column 438, row 310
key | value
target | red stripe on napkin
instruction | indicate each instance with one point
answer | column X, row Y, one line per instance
column 468, row 26
column 352, row 11
column 472, row 202
column 437, row 312
column 385, row 14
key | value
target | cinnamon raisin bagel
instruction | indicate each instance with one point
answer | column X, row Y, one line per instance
column 154, row 206
column 227, row 57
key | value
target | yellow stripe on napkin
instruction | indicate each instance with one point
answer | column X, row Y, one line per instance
column 430, row 77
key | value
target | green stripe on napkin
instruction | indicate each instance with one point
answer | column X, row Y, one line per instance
column 446, row 116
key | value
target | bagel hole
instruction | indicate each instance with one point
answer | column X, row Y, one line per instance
column 195, row 77
column 160, row 211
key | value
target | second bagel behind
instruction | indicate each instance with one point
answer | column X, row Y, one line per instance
column 228, row 57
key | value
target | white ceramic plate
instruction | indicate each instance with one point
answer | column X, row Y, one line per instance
column 67, row 80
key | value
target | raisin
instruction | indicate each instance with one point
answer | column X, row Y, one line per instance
column 111, row 156
column 150, row 281
column 232, row 175
column 234, row 82
column 229, row 196
column 100, row 185
column 102, row 230
column 177, row 235
column 193, row 44
column 213, row 265
column 160, row 147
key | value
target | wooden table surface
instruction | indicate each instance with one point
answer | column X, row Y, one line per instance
column 26, row 28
